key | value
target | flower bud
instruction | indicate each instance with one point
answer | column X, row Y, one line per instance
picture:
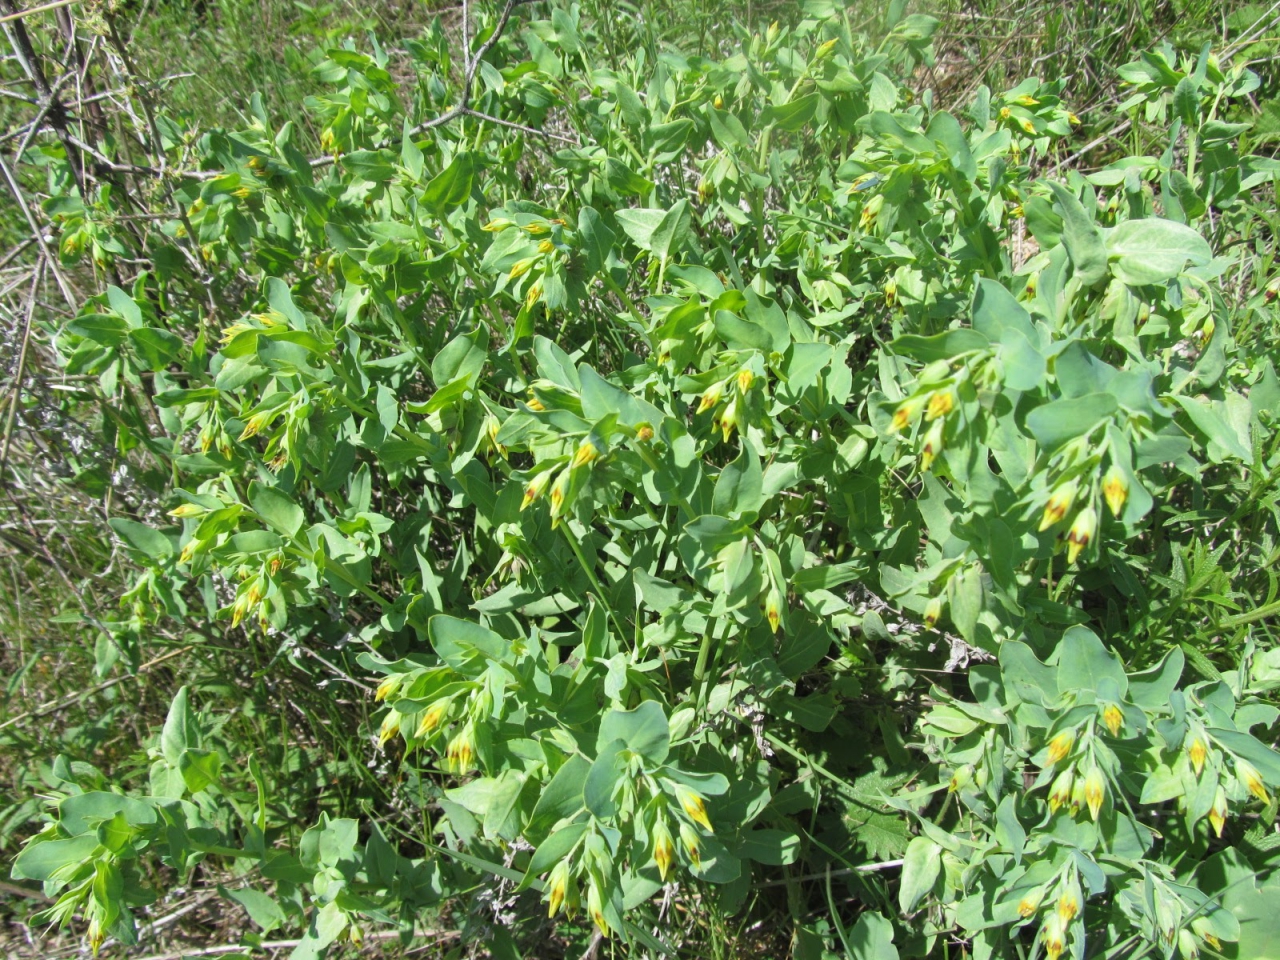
column 1053, row 935
column 960, row 779
column 825, row 50
column 559, row 491
column 521, row 267
column 187, row 510
column 692, row 844
column 1218, row 812
column 595, row 907
column 745, row 379
column 390, row 727
column 535, row 488
column 890, row 292
column 587, row 452
column 1095, row 791
column 1059, row 503
column 1030, row 902
column 718, row 102
column 773, row 608
column 545, row 246
column 691, row 803
column 940, row 404
column 387, row 687
column 557, row 887
column 1188, row 949
column 1248, row 775
column 710, row 397
column 932, row 611
column 1060, row 790
column 1115, row 489
column 1069, row 905
column 644, row 433
column 1061, row 745
column 932, row 445
column 1083, row 527
column 461, row 750
column 1113, row 718
column 728, row 419
column 1197, row 751
column 497, row 224
column 906, row 413
column 664, row 849
column 432, row 717
column 1203, row 928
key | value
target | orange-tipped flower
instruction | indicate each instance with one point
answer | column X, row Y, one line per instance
column 388, row 686
column 187, row 510
column 932, row 611
column 1060, row 502
column 664, row 849
column 710, row 397
column 586, row 453
column 595, row 907
column 692, row 844
column 557, row 887
column 535, row 488
column 1115, row 489
column 941, row 403
column 932, row 445
column 1069, row 905
column 1113, row 718
column 1029, row 127
column 773, row 608
column 906, row 413
column 432, row 717
column 390, row 727
column 644, row 433
column 1030, row 902
column 461, row 751
column 1053, row 936
column 960, row 779
column 691, row 802
column 559, row 491
column 1252, row 780
column 1060, row 790
column 1095, row 791
column 1061, row 745
column 1218, row 812
column 546, row 246
column 728, row 419
column 745, row 379
column 521, row 267
column 1083, row 527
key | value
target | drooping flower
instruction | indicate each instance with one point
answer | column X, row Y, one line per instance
column 1061, row 745
column 1115, row 489
column 1059, row 503
column 1083, row 527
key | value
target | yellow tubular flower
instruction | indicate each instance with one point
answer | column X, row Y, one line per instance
column 692, row 803
column 1030, row 903
column 521, row 267
column 1218, row 812
column 710, row 397
column 1113, row 718
column 664, row 850
column 586, row 453
column 432, row 718
column 534, row 489
column 187, row 510
column 1061, row 745
column 1060, row 791
column 773, row 608
column 1248, row 775
column 932, row 611
column 1081, row 533
column 546, row 246
column 595, row 907
column 906, row 413
column 644, row 433
column 1197, row 751
column 1095, row 791
column 940, row 404
column 558, row 492
column 1029, row 127
column 390, row 727
column 932, row 445
column 1059, row 503
column 1053, row 937
column 1068, row 906
column 692, row 844
column 729, row 419
column 745, row 379
column 557, row 887
column 1115, row 489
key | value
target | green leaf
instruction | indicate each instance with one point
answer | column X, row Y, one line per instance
column 263, row 910
column 451, row 187
column 920, row 867
column 871, row 938
column 41, row 859
column 279, row 512
column 1053, row 424
column 1154, row 250
column 1081, row 237
column 643, row 731
column 739, row 488
column 147, row 541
